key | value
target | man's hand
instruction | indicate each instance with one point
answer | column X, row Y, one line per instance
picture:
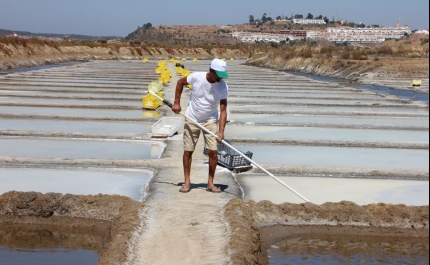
column 220, row 137
column 176, row 108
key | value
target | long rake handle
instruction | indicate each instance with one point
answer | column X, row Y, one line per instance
column 229, row 145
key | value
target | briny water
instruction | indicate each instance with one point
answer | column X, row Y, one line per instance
column 379, row 89
column 43, row 148
column 349, row 250
column 46, row 256
column 43, row 246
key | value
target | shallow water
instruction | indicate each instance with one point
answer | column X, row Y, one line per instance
column 338, row 156
column 249, row 93
column 121, row 182
column 399, row 93
column 238, row 100
column 70, row 94
column 27, row 69
column 319, row 78
column 43, row 148
column 43, row 245
column 351, row 108
column 379, row 89
column 286, row 132
column 80, row 112
column 271, row 118
column 327, row 249
column 76, row 126
column 136, row 102
column 320, row 190
column 47, row 256
column 72, row 85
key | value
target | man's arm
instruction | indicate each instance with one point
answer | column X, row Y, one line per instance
column 179, row 88
column 222, row 119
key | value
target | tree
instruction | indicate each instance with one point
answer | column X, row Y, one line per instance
column 264, row 18
column 298, row 16
column 326, row 20
column 147, row 25
column 278, row 18
column 251, row 19
column 319, row 17
column 310, row 16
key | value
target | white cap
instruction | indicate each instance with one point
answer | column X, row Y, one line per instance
column 220, row 68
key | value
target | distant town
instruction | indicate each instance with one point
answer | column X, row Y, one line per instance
column 340, row 32
column 279, row 30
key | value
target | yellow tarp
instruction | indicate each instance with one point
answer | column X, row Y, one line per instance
column 151, row 102
column 416, row 83
column 155, row 87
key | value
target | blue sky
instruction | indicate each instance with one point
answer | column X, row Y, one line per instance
column 119, row 18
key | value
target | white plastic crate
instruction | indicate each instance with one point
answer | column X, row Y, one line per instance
column 167, row 126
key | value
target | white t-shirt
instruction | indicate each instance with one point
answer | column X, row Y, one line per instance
column 205, row 97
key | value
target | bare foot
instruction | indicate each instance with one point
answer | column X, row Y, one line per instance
column 185, row 189
column 213, row 189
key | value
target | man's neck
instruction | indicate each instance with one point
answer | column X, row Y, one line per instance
column 210, row 80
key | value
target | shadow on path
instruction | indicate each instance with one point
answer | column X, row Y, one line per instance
column 199, row 186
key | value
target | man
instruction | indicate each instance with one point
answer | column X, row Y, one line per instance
column 209, row 91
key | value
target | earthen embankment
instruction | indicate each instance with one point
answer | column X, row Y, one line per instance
column 251, row 221
column 116, row 217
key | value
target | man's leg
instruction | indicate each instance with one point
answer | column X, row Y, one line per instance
column 213, row 161
column 212, row 145
column 191, row 136
column 187, row 160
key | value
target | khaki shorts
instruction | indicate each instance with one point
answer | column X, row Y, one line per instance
column 192, row 134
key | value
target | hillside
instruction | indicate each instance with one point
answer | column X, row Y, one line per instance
column 4, row 32
column 208, row 35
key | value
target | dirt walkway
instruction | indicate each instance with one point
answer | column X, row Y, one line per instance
column 185, row 228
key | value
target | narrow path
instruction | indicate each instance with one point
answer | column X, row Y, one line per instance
column 185, row 228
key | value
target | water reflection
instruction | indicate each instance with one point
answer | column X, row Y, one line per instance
column 399, row 93
column 42, row 245
column 379, row 89
column 150, row 114
column 48, row 66
column 74, row 149
column 349, row 250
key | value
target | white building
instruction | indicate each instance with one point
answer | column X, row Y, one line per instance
column 308, row 21
column 264, row 37
column 422, row 31
column 361, row 35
